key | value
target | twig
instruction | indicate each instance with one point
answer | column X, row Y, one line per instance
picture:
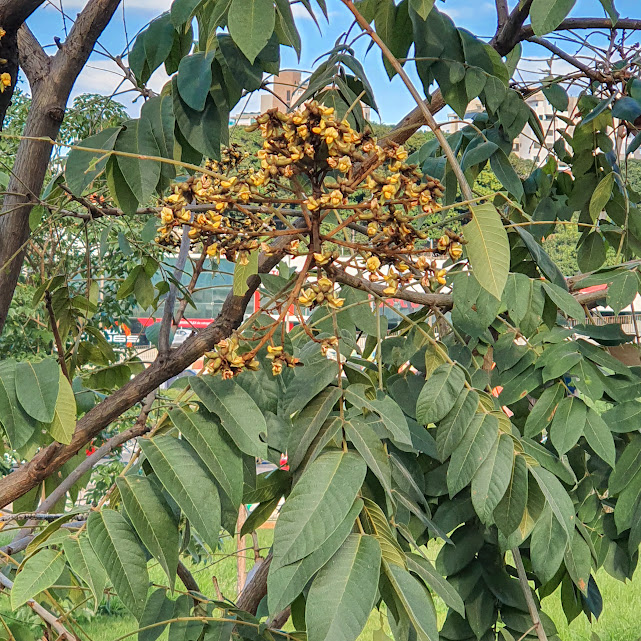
column 56, row 335
column 170, row 301
column 525, row 587
column 23, row 516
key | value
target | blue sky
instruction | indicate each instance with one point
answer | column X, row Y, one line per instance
column 101, row 75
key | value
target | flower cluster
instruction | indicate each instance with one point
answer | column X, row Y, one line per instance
column 226, row 360
column 280, row 359
column 322, row 291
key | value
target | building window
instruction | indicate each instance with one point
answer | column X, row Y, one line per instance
column 289, row 95
column 517, row 146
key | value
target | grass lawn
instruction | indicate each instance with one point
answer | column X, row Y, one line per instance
column 620, row 621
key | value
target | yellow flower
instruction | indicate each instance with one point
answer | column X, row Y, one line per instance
column 277, row 368
column 336, row 198
column 440, row 276
column 373, row 263
column 372, row 229
column 443, row 242
column 325, row 284
column 274, row 349
column 344, row 164
column 312, row 203
column 330, row 134
column 401, row 154
column 335, row 303
column 303, row 131
column 388, row 191
column 456, row 250
column 166, row 215
column 322, row 259
column 212, row 250
column 390, row 290
column 5, row 81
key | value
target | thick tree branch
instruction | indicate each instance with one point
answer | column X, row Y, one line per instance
column 586, row 23
column 14, row 12
column 502, row 12
column 34, row 61
column 508, row 35
column 52, row 457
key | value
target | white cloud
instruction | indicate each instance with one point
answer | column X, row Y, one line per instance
column 103, row 76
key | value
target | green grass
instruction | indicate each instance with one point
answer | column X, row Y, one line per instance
column 620, row 621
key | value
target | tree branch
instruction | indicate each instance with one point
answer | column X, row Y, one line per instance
column 34, row 61
column 508, row 35
column 14, row 12
column 502, row 12
column 557, row 51
column 586, row 23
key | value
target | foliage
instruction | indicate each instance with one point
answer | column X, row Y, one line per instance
column 496, row 424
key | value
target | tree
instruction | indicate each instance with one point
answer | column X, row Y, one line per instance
column 495, row 419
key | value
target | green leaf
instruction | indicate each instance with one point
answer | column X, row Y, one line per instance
column 475, row 446
column 38, row 573
column 215, row 450
column 626, row 108
column 343, row 593
column 547, row 266
column 578, row 561
column 502, row 168
column 452, row 428
column 288, row 25
column 251, row 24
column 608, row 5
column 557, row 96
column 422, row 7
column 477, row 154
column 568, row 423
column 122, row 556
column 179, row 469
column 140, row 175
column 64, row 419
column 17, row 424
column 623, row 417
column 198, row 132
column 83, row 167
column 306, row 426
column 592, row 252
column 599, row 437
column 152, row 519
column 158, row 608
column 183, row 10
column 184, row 627
column 509, row 512
column 371, row 448
column 556, row 496
column 622, row 290
column 285, row 583
column 308, row 382
column 564, row 301
column 626, row 467
column 440, row 393
column 415, row 600
column 420, row 566
column 243, row 272
column 84, row 562
column 543, row 411
column 493, row 478
column 389, row 411
column 317, row 505
column 547, row 15
column 488, row 248
column 239, row 414
column 601, row 196
column 157, row 42
column 547, row 545
column 194, row 79
column 37, row 385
